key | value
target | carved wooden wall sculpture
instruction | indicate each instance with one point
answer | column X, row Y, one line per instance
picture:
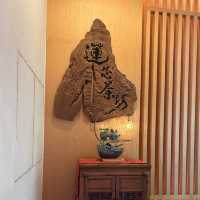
column 93, row 80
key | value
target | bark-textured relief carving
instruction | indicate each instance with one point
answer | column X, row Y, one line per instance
column 93, row 81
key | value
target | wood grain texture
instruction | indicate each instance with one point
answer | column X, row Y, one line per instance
column 115, row 179
column 191, row 106
column 197, row 125
column 145, row 88
column 161, row 97
column 184, row 105
column 93, row 82
column 189, row 5
column 173, row 107
column 168, row 105
column 176, row 106
column 152, row 94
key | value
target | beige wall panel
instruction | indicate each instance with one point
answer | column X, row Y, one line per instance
column 66, row 142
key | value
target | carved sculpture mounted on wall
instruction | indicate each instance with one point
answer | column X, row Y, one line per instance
column 93, row 80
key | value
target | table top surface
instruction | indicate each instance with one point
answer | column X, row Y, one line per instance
column 124, row 162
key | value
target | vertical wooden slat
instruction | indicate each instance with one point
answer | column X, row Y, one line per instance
column 160, row 3
column 184, row 107
column 164, row 4
column 172, row 5
column 181, row 107
column 182, row 4
column 188, row 5
column 145, row 88
column 152, row 2
column 168, row 104
column 191, row 106
column 198, row 8
column 197, row 119
column 152, row 93
column 198, row 109
column 195, row 5
column 141, row 129
column 165, row 139
column 149, row 137
column 190, row 2
column 161, row 97
column 176, row 107
column 196, row 143
column 157, row 134
column 168, row 3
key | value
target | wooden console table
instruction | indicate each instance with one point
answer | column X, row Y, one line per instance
column 127, row 180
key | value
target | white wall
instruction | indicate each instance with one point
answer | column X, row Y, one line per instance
column 22, row 70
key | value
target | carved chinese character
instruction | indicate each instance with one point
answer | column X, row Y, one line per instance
column 93, row 81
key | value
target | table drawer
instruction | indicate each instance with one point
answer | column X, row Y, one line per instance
column 103, row 182
column 131, row 183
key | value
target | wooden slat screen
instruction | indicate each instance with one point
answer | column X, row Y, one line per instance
column 170, row 102
column 185, row 5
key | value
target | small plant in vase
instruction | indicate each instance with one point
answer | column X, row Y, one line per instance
column 109, row 146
